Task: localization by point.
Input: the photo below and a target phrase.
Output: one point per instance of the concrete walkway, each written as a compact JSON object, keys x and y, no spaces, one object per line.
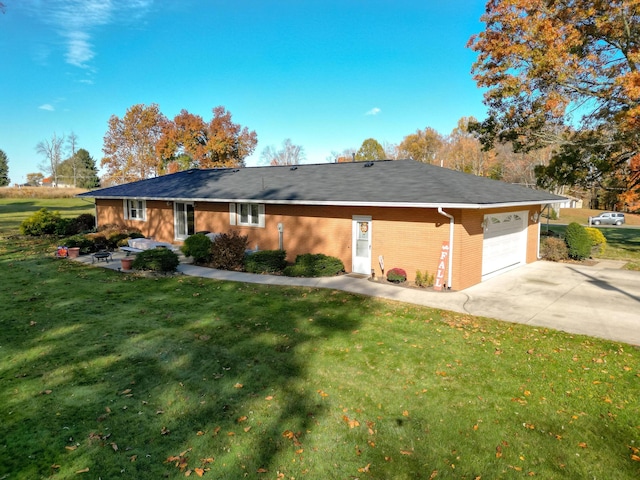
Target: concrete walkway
{"x":600,"y":300}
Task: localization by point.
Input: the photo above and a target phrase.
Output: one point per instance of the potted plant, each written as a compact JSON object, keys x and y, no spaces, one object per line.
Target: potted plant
{"x":126,"y":263}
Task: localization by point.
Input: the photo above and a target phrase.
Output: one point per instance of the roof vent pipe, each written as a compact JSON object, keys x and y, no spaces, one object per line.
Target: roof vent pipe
{"x":451,"y":227}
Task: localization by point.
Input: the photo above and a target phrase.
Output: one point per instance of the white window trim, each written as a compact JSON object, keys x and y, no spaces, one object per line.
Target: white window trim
{"x":127,"y":211}
{"x":235,"y":219}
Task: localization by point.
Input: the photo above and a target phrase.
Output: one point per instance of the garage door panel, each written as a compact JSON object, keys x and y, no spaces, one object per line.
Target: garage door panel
{"x":504,"y":245}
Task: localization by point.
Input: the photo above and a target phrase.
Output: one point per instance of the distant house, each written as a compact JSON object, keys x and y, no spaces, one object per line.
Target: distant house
{"x":49,"y":182}
{"x":371,"y":215}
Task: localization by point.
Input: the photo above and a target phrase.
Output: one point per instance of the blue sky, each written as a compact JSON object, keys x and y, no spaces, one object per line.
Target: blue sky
{"x":326,"y":74}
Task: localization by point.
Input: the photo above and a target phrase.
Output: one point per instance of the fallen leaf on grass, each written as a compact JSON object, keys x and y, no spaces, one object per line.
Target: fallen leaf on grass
{"x":364,"y":469}
{"x":582,"y":445}
{"x":114,"y":446}
{"x":165,"y":431}
{"x":238,"y":385}
{"x":84,"y":470}
{"x":199,"y":471}
{"x":353,"y":423}
{"x":269,"y":398}
{"x":406,"y":452}
{"x":323,"y":394}
{"x":242,"y":419}
{"x":635,"y":457}
{"x":71,"y":447}
{"x":46,"y":392}
{"x":262,"y":470}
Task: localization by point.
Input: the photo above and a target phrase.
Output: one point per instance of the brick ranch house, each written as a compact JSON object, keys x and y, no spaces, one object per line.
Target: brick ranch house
{"x":369,"y":214}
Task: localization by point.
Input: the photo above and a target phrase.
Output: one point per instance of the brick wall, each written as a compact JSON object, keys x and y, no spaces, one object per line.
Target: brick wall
{"x":409,"y":238}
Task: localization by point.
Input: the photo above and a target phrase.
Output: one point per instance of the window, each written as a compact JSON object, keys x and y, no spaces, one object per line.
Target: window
{"x":246,"y":214}
{"x":135,"y":210}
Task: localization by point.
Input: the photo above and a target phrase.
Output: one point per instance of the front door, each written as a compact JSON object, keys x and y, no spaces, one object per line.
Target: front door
{"x":184,"y":220}
{"x":361,"y":245}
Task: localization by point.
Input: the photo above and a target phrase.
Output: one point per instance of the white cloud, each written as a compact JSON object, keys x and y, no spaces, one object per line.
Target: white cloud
{"x":79,"y":51}
{"x":74,"y":20}
{"x":47,"y":106}
{"x":373,"y":111}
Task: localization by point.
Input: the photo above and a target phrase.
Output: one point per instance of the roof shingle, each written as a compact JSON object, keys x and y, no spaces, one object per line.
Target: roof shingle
{"x":386,"y":182}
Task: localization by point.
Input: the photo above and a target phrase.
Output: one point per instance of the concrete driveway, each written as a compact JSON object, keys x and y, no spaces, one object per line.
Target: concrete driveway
{"x":601,"y":300}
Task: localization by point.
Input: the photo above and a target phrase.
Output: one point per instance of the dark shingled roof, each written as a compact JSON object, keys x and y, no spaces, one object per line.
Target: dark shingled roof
{"x":383,"y":183}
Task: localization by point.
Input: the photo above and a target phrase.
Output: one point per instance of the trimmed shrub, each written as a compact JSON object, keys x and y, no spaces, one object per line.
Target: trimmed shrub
{"x":199,"y":247}
{"x":598,"y":240}
{"x":397,"y":275}
{"x":227,"y":251}
{"x":315,"y":265}
{"x":554,"y":249}
{"x":266,"y":261}
{"x":42,"y":222}
{"x":578,"y":241}
{"x":156,"y":260}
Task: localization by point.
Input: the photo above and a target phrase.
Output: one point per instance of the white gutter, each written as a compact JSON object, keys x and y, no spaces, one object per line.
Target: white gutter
{"x":451,"y":227}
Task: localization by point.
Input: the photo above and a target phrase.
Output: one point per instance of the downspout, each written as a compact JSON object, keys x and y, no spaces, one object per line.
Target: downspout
{"x":450,"y":257}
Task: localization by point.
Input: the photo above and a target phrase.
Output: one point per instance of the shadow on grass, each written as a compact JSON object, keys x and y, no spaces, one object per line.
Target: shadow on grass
{"x":118,"y":374}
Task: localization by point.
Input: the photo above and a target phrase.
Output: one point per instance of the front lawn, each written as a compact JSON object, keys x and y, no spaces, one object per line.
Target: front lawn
{"x":110,"y":375}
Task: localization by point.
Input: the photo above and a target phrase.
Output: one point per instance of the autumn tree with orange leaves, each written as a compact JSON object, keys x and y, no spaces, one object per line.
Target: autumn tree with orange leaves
{"x":130,"y":145}
{"x":422,"y":146}
{"x":192,"y":142}
{"x":144,"y":143}
{"x":563,"y":72}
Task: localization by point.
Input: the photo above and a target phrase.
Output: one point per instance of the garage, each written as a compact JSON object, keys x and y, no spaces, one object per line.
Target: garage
{"x":505,"y":242}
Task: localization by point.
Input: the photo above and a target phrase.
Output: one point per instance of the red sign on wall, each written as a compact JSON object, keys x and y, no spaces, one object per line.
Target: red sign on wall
{"x":442,"y":266}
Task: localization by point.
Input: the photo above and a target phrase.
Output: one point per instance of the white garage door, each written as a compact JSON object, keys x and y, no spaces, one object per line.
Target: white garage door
{"x":505,"y":243}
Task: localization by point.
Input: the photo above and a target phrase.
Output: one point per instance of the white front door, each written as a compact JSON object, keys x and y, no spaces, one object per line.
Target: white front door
{"x":361,"y":245}
{"x":184,"y":220}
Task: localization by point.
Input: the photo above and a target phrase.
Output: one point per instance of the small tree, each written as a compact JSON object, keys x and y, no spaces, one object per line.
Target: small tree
{"x":51,"y":150}
{"x":289,"y":154}
{"x":370,"y":150}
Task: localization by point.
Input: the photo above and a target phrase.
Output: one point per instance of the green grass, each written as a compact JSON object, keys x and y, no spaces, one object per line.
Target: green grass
{"x":139,"y":377}
{"x":14,"y":210}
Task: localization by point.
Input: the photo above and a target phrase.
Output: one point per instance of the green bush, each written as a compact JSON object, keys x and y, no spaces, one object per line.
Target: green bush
{"x":266,"y":261}
{"x":82,"y":223}
{"x":43,"y":222}
{"x":314,"y":265}
{"x":84,"y":243}
{"x":554,"y":249}
{"x":199,"y":247}
{"x":397,"y":275}
{"x":228,"y":250}
{"x":578,"y":241}
{"x":598,"y":240}
{"x":156,"y":260}
{"x":424,"y":280}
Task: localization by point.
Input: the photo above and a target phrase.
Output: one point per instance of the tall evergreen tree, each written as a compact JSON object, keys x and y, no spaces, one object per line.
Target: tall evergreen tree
{"x":4,"y":170}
